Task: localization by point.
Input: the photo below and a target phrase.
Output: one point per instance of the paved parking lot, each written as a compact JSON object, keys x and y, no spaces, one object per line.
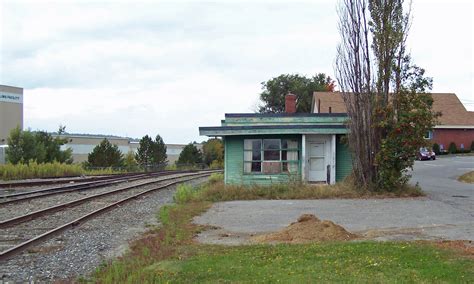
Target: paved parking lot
{"x":446,"y":213}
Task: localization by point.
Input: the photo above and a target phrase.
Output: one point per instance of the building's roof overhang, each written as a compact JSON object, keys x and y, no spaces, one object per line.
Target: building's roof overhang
{"x":272,"y":129}
{"x":442,"y":126}
{"x":278,"y":123}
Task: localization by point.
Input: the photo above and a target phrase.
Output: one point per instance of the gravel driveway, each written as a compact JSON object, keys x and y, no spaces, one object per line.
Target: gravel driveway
{"x":446,"y":213}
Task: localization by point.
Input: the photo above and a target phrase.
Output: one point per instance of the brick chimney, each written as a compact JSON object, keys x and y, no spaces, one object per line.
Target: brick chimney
{"x":290,"y":103}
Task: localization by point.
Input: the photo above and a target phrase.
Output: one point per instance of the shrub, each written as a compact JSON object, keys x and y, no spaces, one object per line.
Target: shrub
{"x":216,"y":165}
{"x":171,"y":167}
{"x":472,"y":146}
{"x":436,"y":148}
{"x":185,"y":193}
{"x":216,"y":177}
{"x":452,"y":148}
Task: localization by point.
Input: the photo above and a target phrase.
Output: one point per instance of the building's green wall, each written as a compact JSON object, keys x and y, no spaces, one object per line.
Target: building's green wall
{"x":234,"y":163}
{"x":343,"y":159}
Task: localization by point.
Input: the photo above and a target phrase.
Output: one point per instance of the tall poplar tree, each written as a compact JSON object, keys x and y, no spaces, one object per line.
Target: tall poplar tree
{"x":386,"y":96}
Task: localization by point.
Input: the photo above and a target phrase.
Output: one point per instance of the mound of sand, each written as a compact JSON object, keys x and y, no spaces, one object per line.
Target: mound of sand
{"x":307,"y":229}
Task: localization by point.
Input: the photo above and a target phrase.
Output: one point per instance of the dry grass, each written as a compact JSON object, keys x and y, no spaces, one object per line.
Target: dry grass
{"x":48,"y":170}
{"x":173,"y":240}
{"x":218,"y":191}
{"x":467,"y":177}
{"x":169,"y":255}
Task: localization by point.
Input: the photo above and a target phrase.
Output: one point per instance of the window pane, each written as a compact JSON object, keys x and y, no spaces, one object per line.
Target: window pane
{"x":271,"y":167}
{"x":292,"y":156}
{"x":247,"y":156}
{"x":290,"y":167}
{"x":271,"y":144}
{"x":256,"y":144}
{"x":247,"y":144}
{"x":250,"y":144}
{"x":256,"y":167}
{"x":289,"y":144}
{"x":289,"y":155}
{"x":247,"y":167}
{"x":271,"y":155}
{"x":256,"y":154}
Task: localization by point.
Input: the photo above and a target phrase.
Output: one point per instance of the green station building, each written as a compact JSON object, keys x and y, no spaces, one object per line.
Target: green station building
{"x":274,"y":148}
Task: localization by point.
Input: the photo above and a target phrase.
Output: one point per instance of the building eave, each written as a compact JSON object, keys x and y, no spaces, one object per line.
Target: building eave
{"x":272,"y":129}
{"x":454,"y":127}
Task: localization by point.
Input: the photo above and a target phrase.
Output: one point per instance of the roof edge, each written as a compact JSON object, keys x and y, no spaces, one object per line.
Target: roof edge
{"x":299,"y":114}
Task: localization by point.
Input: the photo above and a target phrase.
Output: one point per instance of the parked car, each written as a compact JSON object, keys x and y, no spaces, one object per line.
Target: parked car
{"x":425,"y":154}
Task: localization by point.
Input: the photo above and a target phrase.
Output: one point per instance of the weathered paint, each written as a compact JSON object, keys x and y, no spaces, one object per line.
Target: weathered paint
{"x":343,"y":159}
{"x":283,"y":120}
{"x":237,"y":127}
{"x":226,"y":132}
{"x":234,"y":163}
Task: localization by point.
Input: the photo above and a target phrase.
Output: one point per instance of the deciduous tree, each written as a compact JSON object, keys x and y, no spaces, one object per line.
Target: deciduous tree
{"x":275,"y":90}
{"x":213,"y":152}
{"x":385,"y":95}
{"x":39,"y":146}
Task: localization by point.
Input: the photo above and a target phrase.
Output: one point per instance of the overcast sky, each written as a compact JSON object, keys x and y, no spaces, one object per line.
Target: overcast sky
{"x":132,"y":68}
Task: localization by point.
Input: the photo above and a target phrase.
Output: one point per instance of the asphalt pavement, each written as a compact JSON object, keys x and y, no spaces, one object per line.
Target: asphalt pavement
{"x":447,"y":212}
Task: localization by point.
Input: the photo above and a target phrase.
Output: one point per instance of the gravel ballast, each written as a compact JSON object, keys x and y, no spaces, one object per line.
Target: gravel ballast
{"x":11,"y":210}
{"x":81,"y":250}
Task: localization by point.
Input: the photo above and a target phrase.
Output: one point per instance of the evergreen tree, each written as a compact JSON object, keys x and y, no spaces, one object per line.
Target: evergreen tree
{"x":159,"y":157}
{"x":190,"y":155}
{"x":105,"y":155}
{"x":145,"y":151}
{"x":151,"y":153}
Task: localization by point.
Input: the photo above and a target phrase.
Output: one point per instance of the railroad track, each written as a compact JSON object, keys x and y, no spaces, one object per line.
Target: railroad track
{"x":33,"y":194}
{"x":13,"y":184}
{"x":23,"y":231}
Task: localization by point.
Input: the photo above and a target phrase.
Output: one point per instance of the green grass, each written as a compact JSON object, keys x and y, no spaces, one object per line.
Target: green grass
{"x":169,"y":254}
{"x":467,"y":177}
{"x":334,"y":262}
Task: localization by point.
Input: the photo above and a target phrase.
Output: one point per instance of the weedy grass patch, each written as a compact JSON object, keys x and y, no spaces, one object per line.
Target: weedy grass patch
{"x":48,"y":170}
{"x":467,"y":177}
{"x":215,"y":190}
{"x":169,"y":254}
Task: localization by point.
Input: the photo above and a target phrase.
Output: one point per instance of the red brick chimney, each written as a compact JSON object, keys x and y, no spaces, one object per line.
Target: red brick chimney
{"x":290,"y":103}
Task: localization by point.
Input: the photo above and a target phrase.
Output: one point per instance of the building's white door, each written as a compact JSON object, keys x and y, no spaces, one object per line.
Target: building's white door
{"x":316,"y":161}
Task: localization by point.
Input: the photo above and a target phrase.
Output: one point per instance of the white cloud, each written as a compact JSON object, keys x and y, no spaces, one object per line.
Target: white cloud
{"x":147,"y":67}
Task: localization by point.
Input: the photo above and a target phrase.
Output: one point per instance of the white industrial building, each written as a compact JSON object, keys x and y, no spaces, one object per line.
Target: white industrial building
{"x":11,"y":116}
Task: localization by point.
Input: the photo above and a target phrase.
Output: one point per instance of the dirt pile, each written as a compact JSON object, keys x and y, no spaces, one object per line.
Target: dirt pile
{"x":307,"y":229}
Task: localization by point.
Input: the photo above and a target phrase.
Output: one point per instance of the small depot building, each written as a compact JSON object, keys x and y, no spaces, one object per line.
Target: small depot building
{"x":265,"y":149}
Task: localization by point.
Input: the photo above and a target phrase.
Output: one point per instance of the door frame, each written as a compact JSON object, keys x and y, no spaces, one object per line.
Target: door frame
{"x":330,"y":154}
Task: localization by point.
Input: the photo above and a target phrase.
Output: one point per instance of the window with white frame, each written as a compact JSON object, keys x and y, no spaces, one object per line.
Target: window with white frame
{"x":429,"y":135}
{"x":271,"y":156}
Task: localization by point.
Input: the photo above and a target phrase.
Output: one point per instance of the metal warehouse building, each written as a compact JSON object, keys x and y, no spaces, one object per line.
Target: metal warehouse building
{"x":11,"y":110}
{"x":11,"y":116}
